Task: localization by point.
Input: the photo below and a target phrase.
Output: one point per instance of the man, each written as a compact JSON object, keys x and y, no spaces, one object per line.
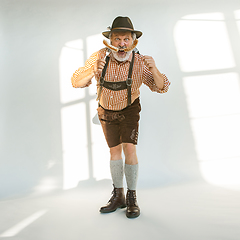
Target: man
{"x":119,"y":77}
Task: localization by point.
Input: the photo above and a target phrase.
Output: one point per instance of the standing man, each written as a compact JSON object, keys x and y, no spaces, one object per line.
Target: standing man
{"x":120,"y":71}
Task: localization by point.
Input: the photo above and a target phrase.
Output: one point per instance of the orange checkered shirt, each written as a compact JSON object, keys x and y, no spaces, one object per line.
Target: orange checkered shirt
{"x":116,"y":72}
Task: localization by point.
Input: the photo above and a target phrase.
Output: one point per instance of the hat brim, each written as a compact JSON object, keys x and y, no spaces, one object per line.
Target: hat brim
{"x":107,"y":33}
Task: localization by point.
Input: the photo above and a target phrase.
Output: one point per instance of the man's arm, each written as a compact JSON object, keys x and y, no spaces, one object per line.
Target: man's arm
{"x":82,"y":79}
{"x":83,"y":76}
{"x":157,"y":76}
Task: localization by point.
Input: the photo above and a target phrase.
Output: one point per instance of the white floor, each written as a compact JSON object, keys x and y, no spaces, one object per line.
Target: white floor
{"x":193,"y":211}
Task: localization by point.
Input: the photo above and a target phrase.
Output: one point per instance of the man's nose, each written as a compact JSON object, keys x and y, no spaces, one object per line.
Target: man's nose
{"x":121,"y":44}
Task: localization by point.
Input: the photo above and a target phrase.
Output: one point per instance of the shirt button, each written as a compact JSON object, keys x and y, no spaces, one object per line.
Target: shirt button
{"x":111,"y":97}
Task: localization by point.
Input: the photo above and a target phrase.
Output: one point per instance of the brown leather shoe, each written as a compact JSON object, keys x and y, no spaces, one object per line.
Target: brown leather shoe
{"x":133,"y":209}
{"x":116,"y":201}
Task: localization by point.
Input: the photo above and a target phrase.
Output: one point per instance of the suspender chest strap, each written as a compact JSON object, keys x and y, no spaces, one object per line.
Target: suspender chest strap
{"x":102,"y":79}
{"x":117,"y":86}
{"x":129,"y":79}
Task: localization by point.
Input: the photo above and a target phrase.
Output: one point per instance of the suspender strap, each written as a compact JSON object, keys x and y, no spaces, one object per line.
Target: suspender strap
{"x":129,"y":80}
{"x":102,"y":78}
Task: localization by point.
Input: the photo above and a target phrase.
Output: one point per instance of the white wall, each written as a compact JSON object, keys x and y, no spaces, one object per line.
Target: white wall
{"x":34,"y":152}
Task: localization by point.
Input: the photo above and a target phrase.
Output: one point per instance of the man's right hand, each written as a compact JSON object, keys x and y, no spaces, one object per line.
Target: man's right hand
{"x":98,"y":66}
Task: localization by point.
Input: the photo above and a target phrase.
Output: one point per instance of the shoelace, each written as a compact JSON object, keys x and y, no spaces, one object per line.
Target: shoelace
{"x":113,"y":195}
{"x":131,"y":198}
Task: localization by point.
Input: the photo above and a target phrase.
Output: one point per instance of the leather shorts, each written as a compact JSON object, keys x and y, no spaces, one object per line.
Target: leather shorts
{"x":121,"y":126}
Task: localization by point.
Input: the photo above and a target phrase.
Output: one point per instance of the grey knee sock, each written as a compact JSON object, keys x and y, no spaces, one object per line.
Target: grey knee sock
{"x":116,"y":168}
{"x":131,"y":174}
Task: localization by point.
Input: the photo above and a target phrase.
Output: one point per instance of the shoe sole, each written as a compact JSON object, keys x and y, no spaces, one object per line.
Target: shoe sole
{"x":133,"y":216}
{"x":102,"y":211}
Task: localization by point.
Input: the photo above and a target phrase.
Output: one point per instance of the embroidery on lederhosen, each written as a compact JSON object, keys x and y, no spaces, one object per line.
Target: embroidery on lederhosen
{"x":134,"y":135}
{"x":108,"y":117}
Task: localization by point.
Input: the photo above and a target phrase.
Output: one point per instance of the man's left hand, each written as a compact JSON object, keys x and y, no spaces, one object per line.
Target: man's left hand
{"x":157,"y":76}
{"x":149,"y":62}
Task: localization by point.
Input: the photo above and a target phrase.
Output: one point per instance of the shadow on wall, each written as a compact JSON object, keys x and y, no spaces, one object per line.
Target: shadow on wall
{"x":207,"y":46}
{"x":49,"y":140}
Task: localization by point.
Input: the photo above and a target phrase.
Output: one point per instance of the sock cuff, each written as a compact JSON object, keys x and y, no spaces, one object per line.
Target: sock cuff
{"x":116,"y":162}
{"x":135,"y":166}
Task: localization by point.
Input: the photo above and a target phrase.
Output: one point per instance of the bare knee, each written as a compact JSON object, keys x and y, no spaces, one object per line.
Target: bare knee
{"x":129,"y":150}
{"x":116,"y":152}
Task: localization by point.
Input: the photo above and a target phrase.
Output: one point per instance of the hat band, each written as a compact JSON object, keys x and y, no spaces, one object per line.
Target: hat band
{"x":122,"y":28}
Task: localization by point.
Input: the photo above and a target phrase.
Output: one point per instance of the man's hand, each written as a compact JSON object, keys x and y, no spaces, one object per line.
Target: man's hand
{"x":149,"y":62}
{"x":98,"y":66}
{"x":157,"y":76}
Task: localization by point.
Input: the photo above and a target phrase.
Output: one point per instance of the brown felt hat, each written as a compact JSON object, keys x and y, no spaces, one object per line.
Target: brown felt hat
{"x":122,"y":24}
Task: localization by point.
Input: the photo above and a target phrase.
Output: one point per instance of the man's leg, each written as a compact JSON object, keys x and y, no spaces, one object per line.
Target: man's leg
{"x":131,"y":174}
{"x":116,"y":168}
{"x":131,"y":165}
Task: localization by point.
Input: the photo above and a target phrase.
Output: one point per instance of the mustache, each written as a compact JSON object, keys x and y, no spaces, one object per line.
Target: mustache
{"x":122,"y":48}
{"x":116,"y":49}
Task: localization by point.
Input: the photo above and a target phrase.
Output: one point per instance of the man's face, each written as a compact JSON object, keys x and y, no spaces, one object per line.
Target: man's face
{"x":121,"y":40}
